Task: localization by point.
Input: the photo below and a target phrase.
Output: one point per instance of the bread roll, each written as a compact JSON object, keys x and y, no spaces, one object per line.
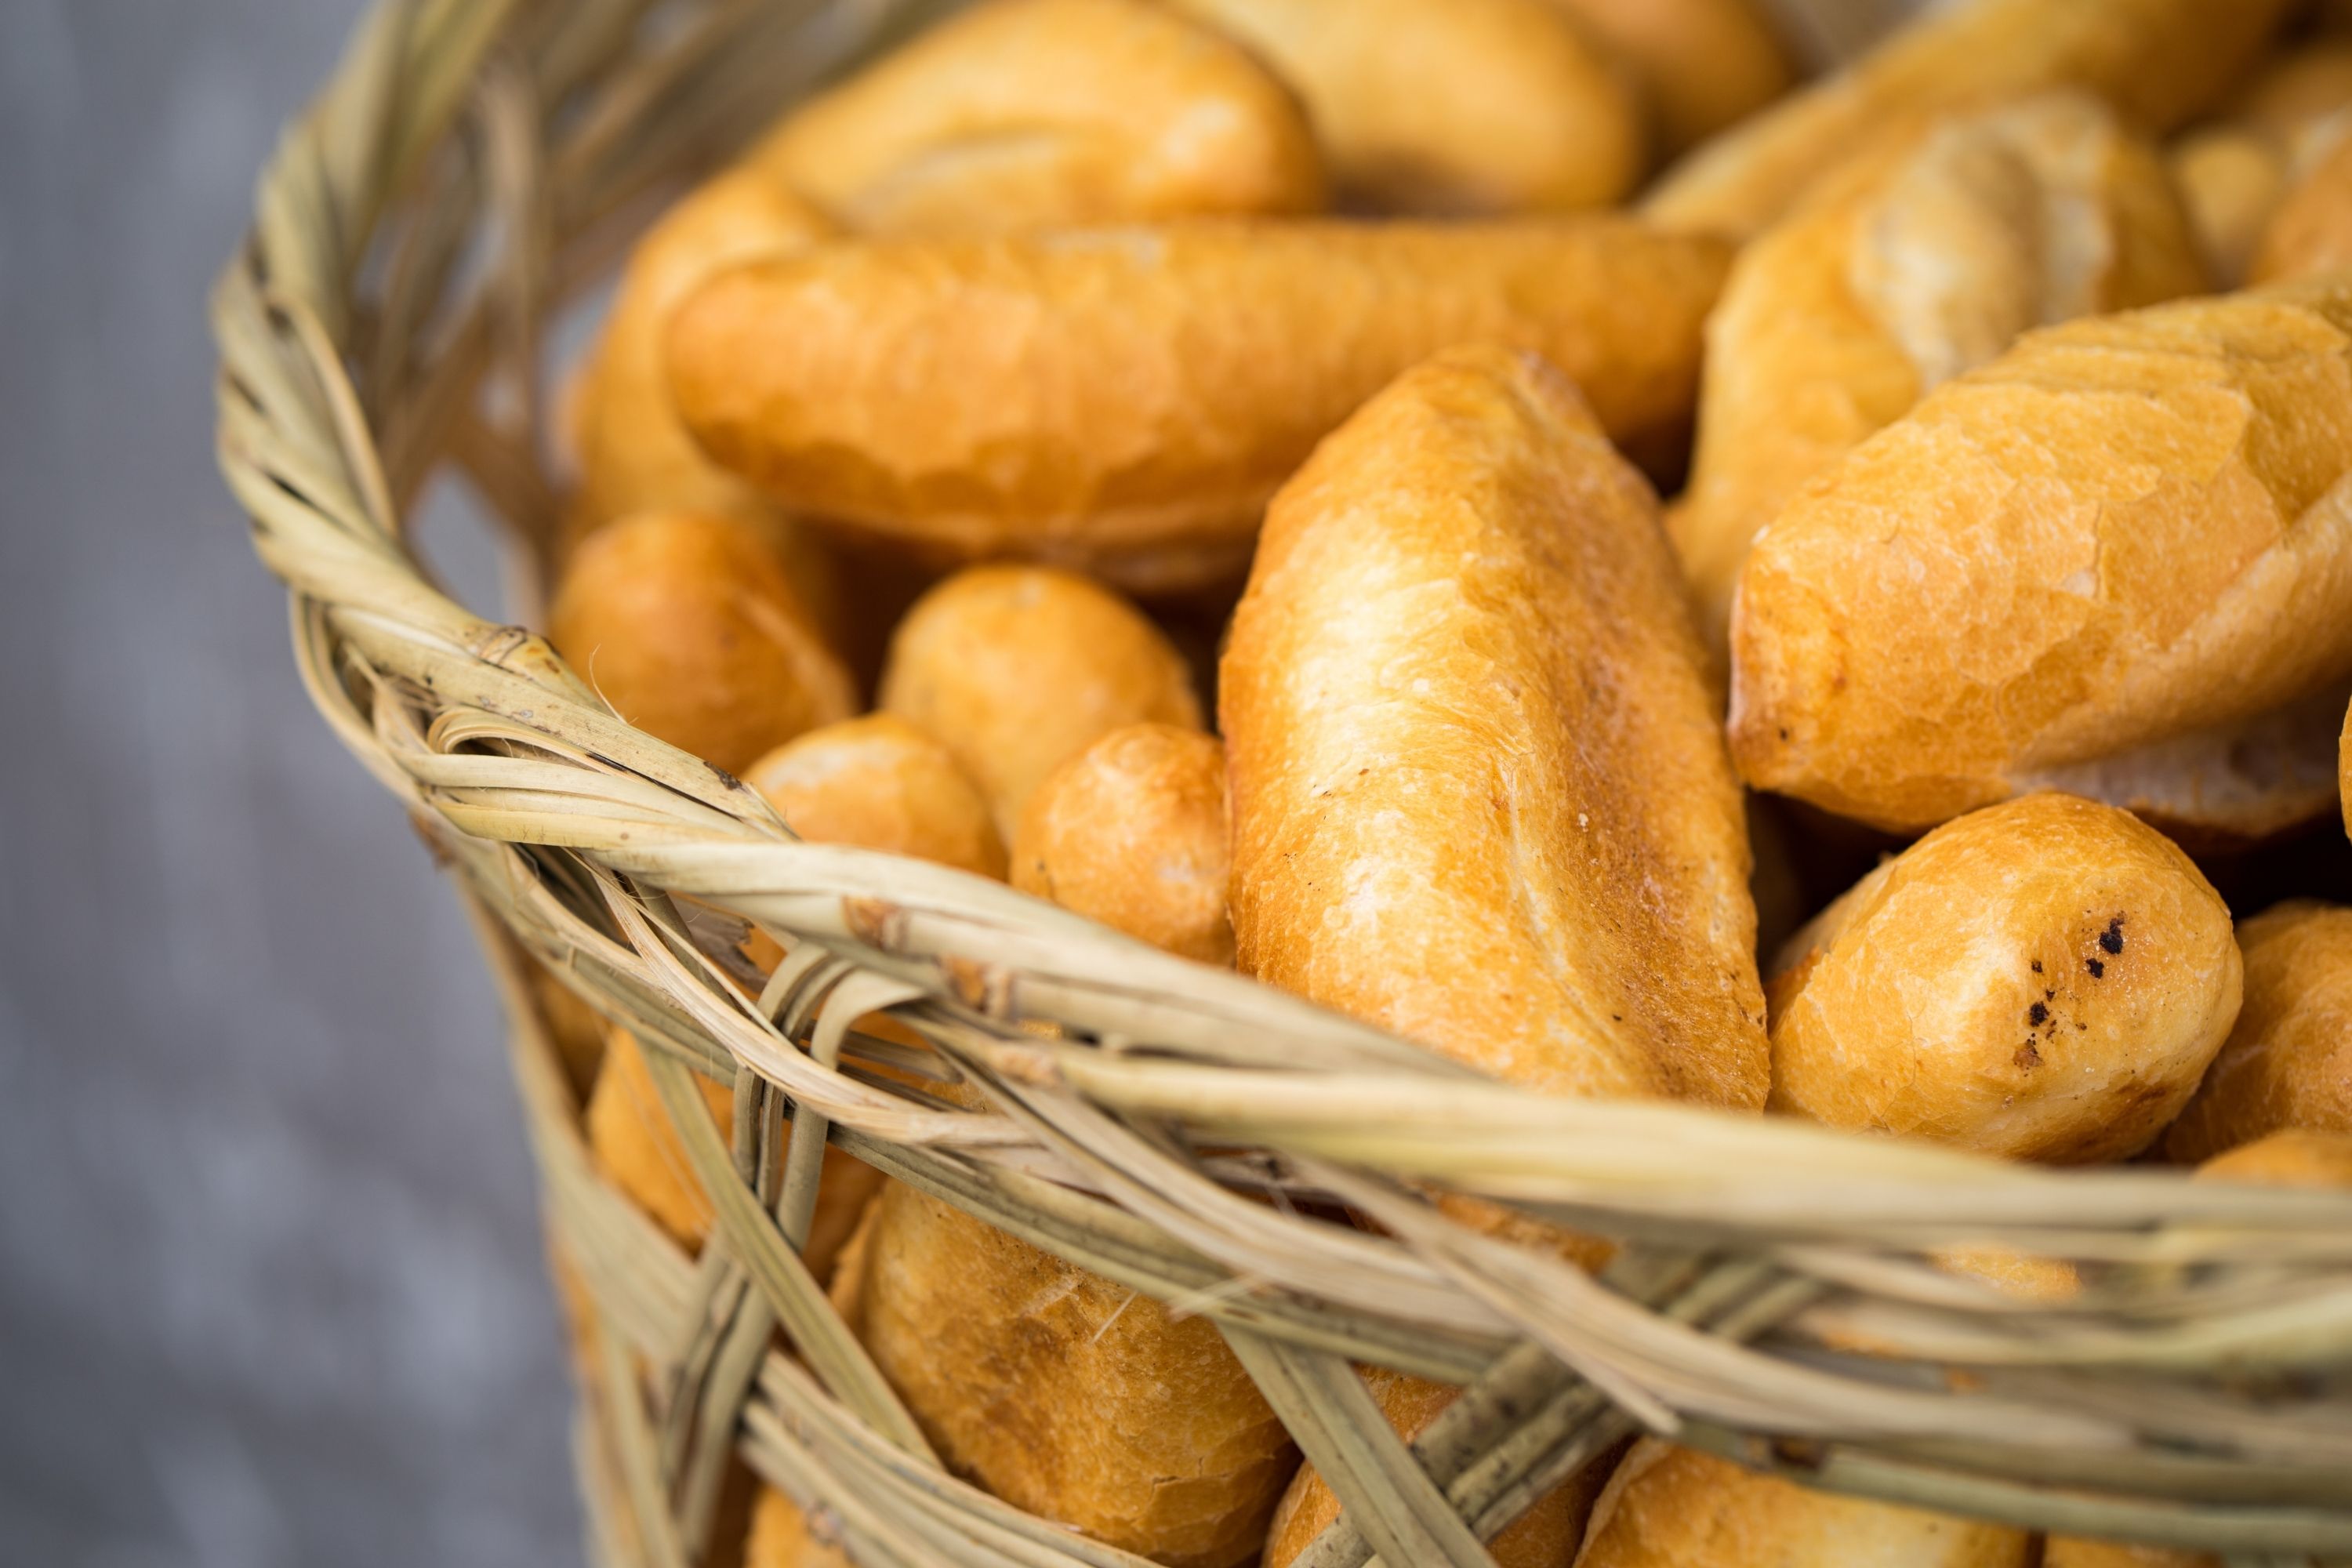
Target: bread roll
{"x":1703,"y":63}
{"x":1016,"y":670}
{"x":2288,"y":1062}
{"x":1479,"y":797}
{"x":1126,"y":401}
{"x":1450,"y":106}
{"x":689,"y":625}
{"x":1065,"y":1394}
{"x":2231,"y":180}
{"x":1131,"y":832}
{"x":2045,"y":979}
{"x":2297,"y":1157}
{"x":2115,"y":561}
{"x":634,"y":454}
{"x":1546,"y":1536}
{"x":879,"y":783}
{"x":1676,"y":1508}
{"x":1907,"y":270}
{"x":2343,"y":769}
{"x":781,"y":1537}
{"x":2310,"y":230}
{"x":2159,"y":61}
{"x":1030,"y":113}
{"x":2071,"y":1551}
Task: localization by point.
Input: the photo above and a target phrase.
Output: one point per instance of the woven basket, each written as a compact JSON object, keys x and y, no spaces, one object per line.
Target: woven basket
{"x":471,"y":166}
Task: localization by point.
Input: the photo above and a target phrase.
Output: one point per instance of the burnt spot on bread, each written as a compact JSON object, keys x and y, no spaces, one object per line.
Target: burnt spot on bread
{"x":2037,"y":966}
{"x":2111,"y":941}
{"x":2027,"y":1059}
{"x":2038,"y":1015}
{"x":2098,"y":970}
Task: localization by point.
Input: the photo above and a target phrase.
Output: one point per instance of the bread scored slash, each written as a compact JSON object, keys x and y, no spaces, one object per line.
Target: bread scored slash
{"x":2117,"y":561}
{"x":1479,"y":795}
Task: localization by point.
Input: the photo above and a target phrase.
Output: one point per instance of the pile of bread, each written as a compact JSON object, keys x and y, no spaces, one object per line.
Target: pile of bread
{"x":1084,"y":370}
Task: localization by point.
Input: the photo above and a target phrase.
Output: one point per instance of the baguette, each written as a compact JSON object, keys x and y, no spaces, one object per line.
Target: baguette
{"x":1676,"y":1508}
{"x":2288,"y":1062}
{"x":1016,"y":670}
{"x":1463,"y":106}
{"x":1034,"y":113}
{"x":1901,"y":272}
{"x":2046,"y":979}
{"x":1703,"y":63}
{"x":2158,"y":61}
{"x":1479,"y":797}
{"x":1127,"y":401}
{"x":2117,"y":561}
{"x":1131,"y":832}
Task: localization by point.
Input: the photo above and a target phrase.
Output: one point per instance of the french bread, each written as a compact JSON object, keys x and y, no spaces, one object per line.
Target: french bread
{"x":2117,"y":561}
{"x":2158,"y":61}
{"x":1126,"y":401}
{"x":1902,"y":271}
{"x":2045,"y":979}
{"x":1702,"y":64}
{"x":2288,"y":1062}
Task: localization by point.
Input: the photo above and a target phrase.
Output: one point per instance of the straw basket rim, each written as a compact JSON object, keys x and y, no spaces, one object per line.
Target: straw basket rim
{"x":469,"y":166}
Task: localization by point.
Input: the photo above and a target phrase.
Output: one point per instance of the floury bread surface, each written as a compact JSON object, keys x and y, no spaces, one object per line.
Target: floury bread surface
{"x":2115,"y":561}
{"x":2159,"y":61}
{"x":1127,"y":400}
{"x":1479,"y":795}
{"x":1905,"y":268}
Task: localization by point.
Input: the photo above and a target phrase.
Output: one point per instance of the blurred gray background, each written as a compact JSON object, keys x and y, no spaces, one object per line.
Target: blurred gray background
{"x":270,"y":1286}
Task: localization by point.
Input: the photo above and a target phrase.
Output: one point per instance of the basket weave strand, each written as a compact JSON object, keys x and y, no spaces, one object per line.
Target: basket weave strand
{"x":470,"y":167}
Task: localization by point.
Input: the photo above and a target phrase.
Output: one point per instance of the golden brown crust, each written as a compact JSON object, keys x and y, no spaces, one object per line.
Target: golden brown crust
{"x":1675,"y":1508}
{"x":1546,"y":1536}
{"x":1068,"y":1395}
{"x":781,"y":1537}
{"x":2343,"y":769}
{"x":2159,"y":61}
{"x":2297,"y":1157}
{"x":2288,"y":1062}
{"x":1906,"y":268}
{"x":2115,"y":545}
{"x":1463,"y":107}
{"x":2230,"y":180}
{"x":1704,"y":63}
{"x":2045,"y":979}
{"x":1016,"y":670}
{"x":1031,"y":114}
{"x":1464,"y":715}
{"x":879,"y":783}
{"x":1131,"y":832}
{"x":1127,"y":400}
{"x":690,"y":625}
{"x":2311,"y":231}
{"x":2071,"y":1551}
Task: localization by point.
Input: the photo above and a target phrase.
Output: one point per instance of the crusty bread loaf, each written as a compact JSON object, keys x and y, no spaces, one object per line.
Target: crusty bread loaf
{"x":1546,"y":1536}
{"x":1676,"y":1508}
{"x":1918,"y":263}
{"x":2310,"y":232}
{"x":1127,"y":400}
{"x":2288,"y":1063}
{"x":1702,"y":64}
{"x":2160,"y":62}
{"x":2297,"y":1157}
{"x":2117,"y":561}
{"x":2045,"y":979}
{"x":1065,"y":1394}
{"x":781,"y":1537}
{"x":1016,"y":670}
{"x":1028,"y":113}
{"x":1479,"y":797}
{"x":1450,"y":106}
{"x":691,"y":627}
{"x":879,"y":783}
{"x":1131,"y":832}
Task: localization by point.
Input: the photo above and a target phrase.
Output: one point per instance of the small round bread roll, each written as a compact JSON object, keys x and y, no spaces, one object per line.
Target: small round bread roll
{"x":1067,"y":1395}
{"x":691,"y":627}
{"x":2297,"y":1157}
{"x":2288,"y":1063}
{"x":1676,"y":1508}
{"x":1030,"y":113}
{"x":2045,"y":979}
{"x":879,"y":783}
{"x":1131,"y":832}
{"x":2071,"y":1552}
{"x":1546,"y":1536}
{"x":1016,"y":670}
{"x":781,"y":1537}
{"x":1452,"y":106}
{"x":1706,"y":63}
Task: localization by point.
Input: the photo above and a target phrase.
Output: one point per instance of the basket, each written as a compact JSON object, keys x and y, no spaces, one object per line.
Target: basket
{"x":472,"y":167}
